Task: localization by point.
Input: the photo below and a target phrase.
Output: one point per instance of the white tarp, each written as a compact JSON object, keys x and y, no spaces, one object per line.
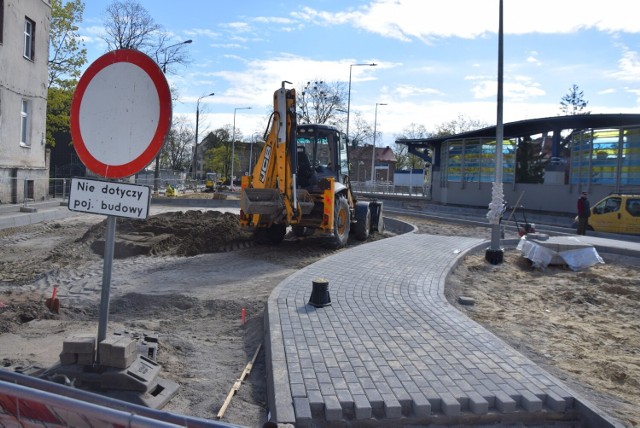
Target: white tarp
{"x":576,"y":254}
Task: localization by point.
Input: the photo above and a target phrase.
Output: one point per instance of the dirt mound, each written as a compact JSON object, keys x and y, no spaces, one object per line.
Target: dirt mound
{"x":176,"y":233}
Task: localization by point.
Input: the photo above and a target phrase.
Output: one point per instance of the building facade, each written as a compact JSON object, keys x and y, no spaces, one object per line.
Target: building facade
{"x":565,"y":155}
{"x":24,"y":54}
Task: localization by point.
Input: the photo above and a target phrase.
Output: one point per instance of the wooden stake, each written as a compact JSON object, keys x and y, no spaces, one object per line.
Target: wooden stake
{"x":236,"y":385}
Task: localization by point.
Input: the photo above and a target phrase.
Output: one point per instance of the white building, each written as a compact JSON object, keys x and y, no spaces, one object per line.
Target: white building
{"x":24,"y":53}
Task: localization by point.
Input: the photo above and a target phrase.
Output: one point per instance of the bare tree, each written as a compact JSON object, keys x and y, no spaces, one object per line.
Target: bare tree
{"x":130,"y":26}
{"x":458,"y":125}
{"x":403,"y":157}
{"x":176,"y":152}
{"x":361,"y":131}
{"x":322,"y":102}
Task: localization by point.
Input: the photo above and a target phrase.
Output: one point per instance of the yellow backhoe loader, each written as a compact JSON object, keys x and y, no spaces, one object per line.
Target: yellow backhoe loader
{"x":301,"y":180}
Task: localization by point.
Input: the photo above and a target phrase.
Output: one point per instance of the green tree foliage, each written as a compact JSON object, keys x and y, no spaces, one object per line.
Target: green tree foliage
{"x":216,"y":149}
{"x":67,"y":56}
{"x":529,"y":162}
{"x":573,"y":102}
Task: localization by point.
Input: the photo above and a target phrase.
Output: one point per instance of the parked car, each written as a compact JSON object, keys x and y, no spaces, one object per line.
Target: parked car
{"x":616,"y":213}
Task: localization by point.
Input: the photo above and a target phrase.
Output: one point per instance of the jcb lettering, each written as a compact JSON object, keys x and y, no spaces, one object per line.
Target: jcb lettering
{"x":265,"y":164}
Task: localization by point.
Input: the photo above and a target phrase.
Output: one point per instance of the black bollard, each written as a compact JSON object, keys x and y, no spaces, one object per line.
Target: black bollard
{"x":320,"y":293}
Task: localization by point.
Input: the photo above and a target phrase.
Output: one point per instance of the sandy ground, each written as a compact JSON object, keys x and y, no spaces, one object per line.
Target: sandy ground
{"x":187,"y":277}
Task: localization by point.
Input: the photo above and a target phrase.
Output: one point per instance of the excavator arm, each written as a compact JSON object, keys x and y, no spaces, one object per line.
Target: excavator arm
{"x":269,"y":195}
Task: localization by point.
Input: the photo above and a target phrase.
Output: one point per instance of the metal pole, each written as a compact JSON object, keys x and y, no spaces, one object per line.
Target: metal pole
{"x":195,"y":150}
{"x":373,"y":64}
{"x":106,"y":277}
{"x":233,"y":142}
{"x":494,"y":253}
{"x":373,"y":151}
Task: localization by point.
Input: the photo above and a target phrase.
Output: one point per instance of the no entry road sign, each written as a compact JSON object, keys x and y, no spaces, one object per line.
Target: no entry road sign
{"x":120,"y":114}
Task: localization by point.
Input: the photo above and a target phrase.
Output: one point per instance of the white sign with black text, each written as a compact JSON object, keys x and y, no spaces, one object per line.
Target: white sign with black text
{"x":109,"y":198}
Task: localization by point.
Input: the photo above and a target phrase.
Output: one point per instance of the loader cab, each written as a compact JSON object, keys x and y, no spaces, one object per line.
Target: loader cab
{"x":322,"y":152}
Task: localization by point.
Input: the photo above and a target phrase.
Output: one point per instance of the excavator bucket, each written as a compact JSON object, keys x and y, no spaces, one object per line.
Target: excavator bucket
{"x":265,"y":202}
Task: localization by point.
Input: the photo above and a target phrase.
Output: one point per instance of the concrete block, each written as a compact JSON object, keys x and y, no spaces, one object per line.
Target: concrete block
{"x":449,"y":405}
{"x":504,"y":403}
{"x":555,"y":402}
{"x":303,"y":411}
{"x":362,"y":407}
{"x":530,"y":402}
{"x":79,"y":345}
{"x":421,"y":406}
{"x":392,"y":407}
{"x":86,"y":359}
{"x":332,"y":409}
{"x":477,"y":404}
{"x":117,"y":351}
{"x":68,"y":358}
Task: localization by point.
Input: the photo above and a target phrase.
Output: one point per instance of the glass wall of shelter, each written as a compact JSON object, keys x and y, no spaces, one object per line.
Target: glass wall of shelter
{"x":606,"y":157}
{"x":472,"y":160}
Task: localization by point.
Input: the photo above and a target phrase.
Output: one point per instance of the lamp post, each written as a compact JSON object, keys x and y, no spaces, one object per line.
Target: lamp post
{"x":494,"y":254}
{"x":373,"y":149}
{"x":373,"y":64}
{"x":156,"y":173}
{"x":195,"y":149}
{"x":233,"y":141}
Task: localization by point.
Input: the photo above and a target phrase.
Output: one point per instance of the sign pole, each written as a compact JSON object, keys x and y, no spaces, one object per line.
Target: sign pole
{"x":106,"y":278}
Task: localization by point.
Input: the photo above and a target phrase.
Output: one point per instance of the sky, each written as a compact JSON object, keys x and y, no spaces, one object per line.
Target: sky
{"x":436,"y":60}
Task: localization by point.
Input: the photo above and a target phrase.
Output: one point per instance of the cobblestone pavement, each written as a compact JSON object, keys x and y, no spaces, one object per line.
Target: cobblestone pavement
{"x":389,"y":350}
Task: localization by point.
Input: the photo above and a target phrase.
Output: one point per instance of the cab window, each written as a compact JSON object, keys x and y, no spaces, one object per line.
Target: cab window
{"x":609,"y":205}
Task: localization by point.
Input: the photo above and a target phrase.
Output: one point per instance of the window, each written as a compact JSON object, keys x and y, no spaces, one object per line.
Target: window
{"x":24,"y":124}
{"x":29,"y":38}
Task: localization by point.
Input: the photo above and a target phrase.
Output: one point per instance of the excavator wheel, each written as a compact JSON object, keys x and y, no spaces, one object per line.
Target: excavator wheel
{"x":362,"y":227}
{"x":341,"y":223}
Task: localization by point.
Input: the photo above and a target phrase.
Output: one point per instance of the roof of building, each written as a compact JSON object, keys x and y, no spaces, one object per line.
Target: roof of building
{"x":534,"y":126}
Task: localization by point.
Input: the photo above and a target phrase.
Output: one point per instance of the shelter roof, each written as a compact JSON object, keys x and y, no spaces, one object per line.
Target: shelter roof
{"x":534,"y":126}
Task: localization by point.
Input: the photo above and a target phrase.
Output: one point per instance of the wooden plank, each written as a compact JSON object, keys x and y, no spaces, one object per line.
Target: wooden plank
{"x":237,"y":383}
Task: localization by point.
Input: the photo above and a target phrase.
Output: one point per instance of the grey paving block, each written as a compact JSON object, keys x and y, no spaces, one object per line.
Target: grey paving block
{"x":530,"y":402}
{"x":332,"y":409}
{"x":555,"y":402}
{"x":392,"y":407}
{"x":477,"y":404}
{"x":362,"y":407}
{"x":420,"y":405}
{"x":449,"y":405}
{"x":504,"y":403}
{"x":316,"y":401}
{"x":303,"y":411}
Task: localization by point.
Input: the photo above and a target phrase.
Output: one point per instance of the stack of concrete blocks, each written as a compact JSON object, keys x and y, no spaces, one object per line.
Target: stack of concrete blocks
{"x":119,"y":352}
{"x":78,"y":350}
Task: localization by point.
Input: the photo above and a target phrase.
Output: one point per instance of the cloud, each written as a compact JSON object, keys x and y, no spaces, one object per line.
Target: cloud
{"x":628,"y":66}
{"x":406,"y":91}
{"x":426,"y":21}
{"x":516,"y":89}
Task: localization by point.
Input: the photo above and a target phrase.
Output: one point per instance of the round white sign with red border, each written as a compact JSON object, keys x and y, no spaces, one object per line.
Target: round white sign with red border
{"x":120,"y":114}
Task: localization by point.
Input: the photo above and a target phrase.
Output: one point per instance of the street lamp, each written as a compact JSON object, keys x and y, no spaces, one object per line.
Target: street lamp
{"x":195,"y":149}
{"x":156,"y":173}
{"x":373,"y":64}
{"x":373,"y":149}
{"x":233,"y":141}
